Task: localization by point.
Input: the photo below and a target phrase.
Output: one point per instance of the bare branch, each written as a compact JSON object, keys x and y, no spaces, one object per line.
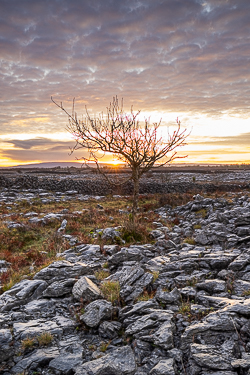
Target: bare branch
{"x":122,"y":135}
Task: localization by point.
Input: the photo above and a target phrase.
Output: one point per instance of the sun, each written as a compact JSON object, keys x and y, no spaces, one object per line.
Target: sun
{"x":115,"y":162}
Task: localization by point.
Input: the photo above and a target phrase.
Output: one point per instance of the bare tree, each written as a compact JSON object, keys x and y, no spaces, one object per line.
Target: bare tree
{"x":121,"y":134}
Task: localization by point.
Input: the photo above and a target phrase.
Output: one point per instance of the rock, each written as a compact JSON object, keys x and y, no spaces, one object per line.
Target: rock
{"x":197,"y":311}
{"x":242,"y":220}
{"x":139,"y":308}
{"x":212,"y":286}
{"x":85,"y":290}
{"x":241,"y":286}
{"x":40,"y":357}
{"x":63,"y":226}
{"x":59,"y":288}
{"x":66,"y":363}
{"x":125,"y":255}
{"x":63,"y":270}
{"x":109,"y":330}
{"x":173,"y":297}
{"x":163,"y":367}
{"x":39,"y":306}
{"x":213,"y":357}
{"x":157,"y":234}
{"x":133,"y":281}
{"x":164,"y":336}
{"x":155,"y":327}
{"x":120,"y":362}
{"x":157,"y":264}
{"x":6,"y":348}
{"x":21,"y":293}
{"x":239,"y":263}
{"x":34,"y":328}
{"x":209,"y":330}
{"x":111,"y":234}
{"x":97,"y":311}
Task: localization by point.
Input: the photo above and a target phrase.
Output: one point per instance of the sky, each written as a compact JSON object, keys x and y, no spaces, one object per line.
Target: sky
{"x":168,"y":58}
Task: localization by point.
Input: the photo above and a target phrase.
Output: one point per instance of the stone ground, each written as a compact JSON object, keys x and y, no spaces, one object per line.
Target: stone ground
{"x":183,"y":306}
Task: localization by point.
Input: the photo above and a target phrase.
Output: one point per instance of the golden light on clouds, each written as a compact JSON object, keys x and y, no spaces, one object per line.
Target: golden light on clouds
{"x":169,"y":59}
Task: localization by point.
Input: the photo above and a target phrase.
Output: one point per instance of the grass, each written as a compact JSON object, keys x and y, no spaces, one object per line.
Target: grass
{"x":185,"y":310}
{"x":36,"y":245}
{"x":28,"y":343}
{"x":202,"y":213}
{"x":246,"y":293}
{"x":145,"y":296}
{"x":104,"y":346}
{"x":44,"y":339}
{"x":190,"y":241}
{"x":155,"y":275}
{"x":102,"y":274}
{"x":197,"y":226}
{"x":175,"y":199}
{"x":111,"y":290}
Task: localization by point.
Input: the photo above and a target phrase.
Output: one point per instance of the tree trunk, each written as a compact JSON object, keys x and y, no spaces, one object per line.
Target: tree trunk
{"x":135,"y":195}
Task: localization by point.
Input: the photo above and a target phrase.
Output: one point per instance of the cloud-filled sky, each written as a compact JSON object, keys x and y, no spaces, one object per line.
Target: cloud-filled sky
{"x":168,"y":58}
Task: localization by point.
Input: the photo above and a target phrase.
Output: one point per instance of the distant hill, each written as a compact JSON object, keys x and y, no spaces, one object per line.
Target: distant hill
{"x":49,"y":165}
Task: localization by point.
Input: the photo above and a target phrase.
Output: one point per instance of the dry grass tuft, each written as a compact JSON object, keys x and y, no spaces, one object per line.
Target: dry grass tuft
{"x":111,"y":290}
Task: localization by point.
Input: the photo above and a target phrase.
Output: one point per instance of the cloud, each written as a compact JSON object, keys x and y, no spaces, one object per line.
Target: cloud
{"x":174,"y":55}
{"x":40,"y":149}
{"x":41,"y":143}
{"x":241,"y":140}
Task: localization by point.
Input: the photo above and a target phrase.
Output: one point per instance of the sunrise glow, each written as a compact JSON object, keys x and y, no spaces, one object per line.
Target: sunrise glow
{"x":185,"y":59}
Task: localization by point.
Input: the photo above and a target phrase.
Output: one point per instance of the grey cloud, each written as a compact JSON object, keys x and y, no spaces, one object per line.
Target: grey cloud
{"x":238,"y":140}
{"x":179,"y":55}
{"x":37,"y":155}
{"x":42,"y":143}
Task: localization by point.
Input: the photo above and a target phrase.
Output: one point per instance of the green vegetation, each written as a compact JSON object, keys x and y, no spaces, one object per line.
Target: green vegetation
{"x":111,"y":290}
{"x":28,"y":343}
{"x":145,"y":296}
{"x":190,"y":241}
{"x":246,"y":293}
{"x":34,"y":246}
{"x":155,"y":275}
{"x":104,"y":346}
{"x":185,"y":310}
{"x":202,"y":213}
{"x":102,"y":274}
{"x":44,"y":339}
{"x":197,"y":226}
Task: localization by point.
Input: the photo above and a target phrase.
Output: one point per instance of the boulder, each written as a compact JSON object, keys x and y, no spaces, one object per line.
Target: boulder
{"x":6,"y":348}
{"x":163,"y":367}
{"x":97,"y":311}
{"x":85,"y":290}
{"x":120,"y":362}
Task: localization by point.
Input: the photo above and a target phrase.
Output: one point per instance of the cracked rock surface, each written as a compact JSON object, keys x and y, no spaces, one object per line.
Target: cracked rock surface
{"x":193,"y":319}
